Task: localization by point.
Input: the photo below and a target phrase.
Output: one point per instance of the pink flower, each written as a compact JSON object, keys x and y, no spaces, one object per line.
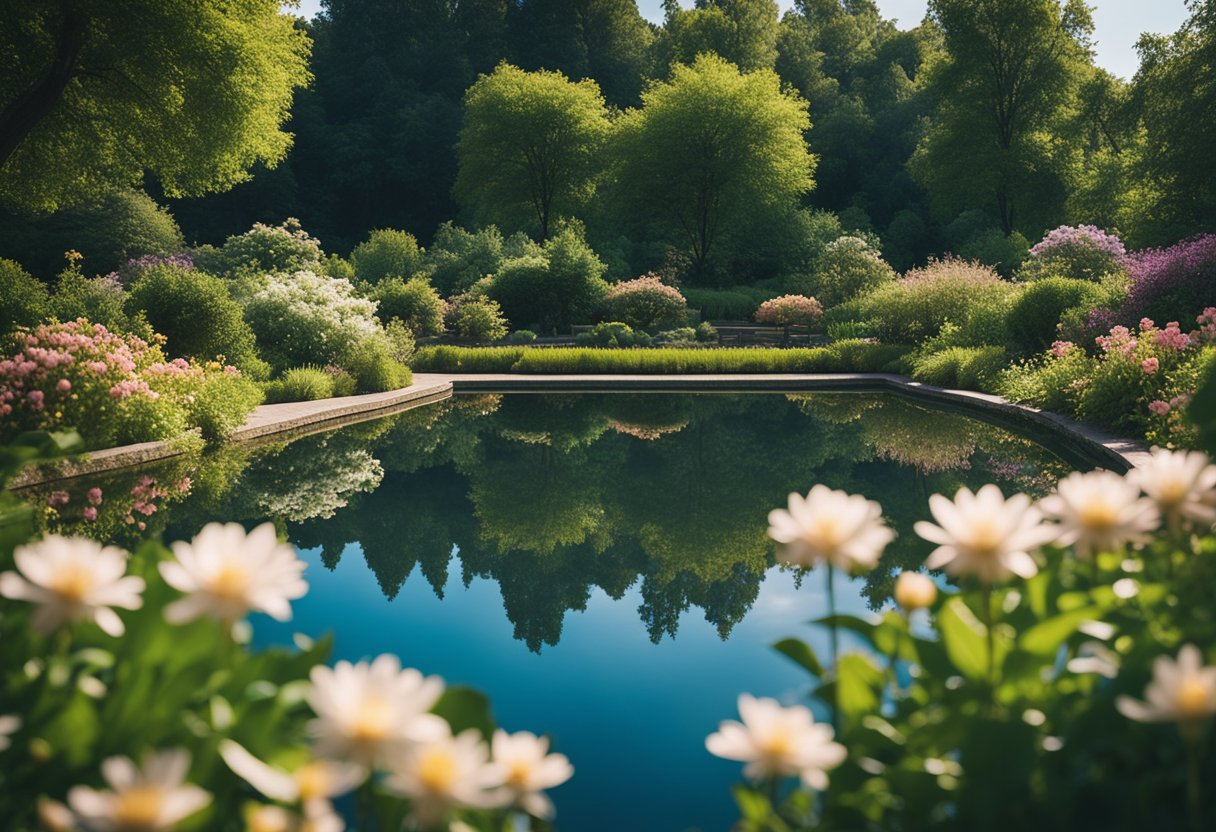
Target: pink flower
{"x":1146,"y":324}
{"x":64,"y":385}
{"x":1061,"y":348}
{"x":1150,"y":365}
{"x":58,"y":498}
{"x":94,"y":496}
{"x":1172,"y":337}
{"x":1159,"y":407}
{"x":90,"y":513}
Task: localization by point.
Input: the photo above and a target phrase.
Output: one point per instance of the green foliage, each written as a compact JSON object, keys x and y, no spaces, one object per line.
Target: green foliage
{"x":101,"y":300}
{"x":221,"y":403}
{"x":301,"y":384}
{"x":710,"y":149}
{"x":24,"y":301}
{"x":967,"y":368}
{"x":475,"y":318}
{"x":558,"y":286}
{"x":458,"y":258}
{"x":993,"y":248}
{"x":848,"y":268}
{"x":387,"y":253}
{"x":613,"y":335}
{"x":1034,"y":318}
{"x":705,"y":332}
{"x":736,"y":304}
{"x":266,"y":248}
{"x":530,"y":147}
{"x":1046,"y":382}
{"x":414,"y":302}
{"x":521,"y":336}
{"x":743,"y":32}
{"x":197,"y":315}
{"x":159,"y":97}
{"x":378,"y":363}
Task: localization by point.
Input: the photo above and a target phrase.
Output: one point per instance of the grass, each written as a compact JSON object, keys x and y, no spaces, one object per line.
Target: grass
{"x":841,"y":357}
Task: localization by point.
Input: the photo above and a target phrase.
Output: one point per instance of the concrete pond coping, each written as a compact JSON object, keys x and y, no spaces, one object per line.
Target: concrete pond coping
{"x":277,"y":422}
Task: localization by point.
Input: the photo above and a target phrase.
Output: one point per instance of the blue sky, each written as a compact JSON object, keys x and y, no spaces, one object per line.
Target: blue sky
{"x":1118,"y":22}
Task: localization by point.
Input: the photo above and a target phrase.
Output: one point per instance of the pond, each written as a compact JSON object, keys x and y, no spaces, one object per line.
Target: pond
{"x":597,"y":563}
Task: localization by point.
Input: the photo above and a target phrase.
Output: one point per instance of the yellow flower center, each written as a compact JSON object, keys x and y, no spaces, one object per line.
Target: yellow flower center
{"x":230,"y":582}
{"x":1172,"y":493}
{"x":1192,"y":699}
{"x":313,"y":781}
{"x":827,"y":533}
{"x":138,"y":809}
{"x":73,"y":584}
{"x":986,"y":536}
{"x":775,"y":746}
{"x":373,"y":719}
{"x":518,"y":774}
{"x":437,"y":771}
{"x":267,"y":819}
{"x":1098,"y":514}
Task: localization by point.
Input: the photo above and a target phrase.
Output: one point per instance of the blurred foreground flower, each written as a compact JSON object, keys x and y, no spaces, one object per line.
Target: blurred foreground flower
{"x":227,"y":573}
{"x":446,"y":773}
{"x":914,"y":591}
{"x":1182,"y":691}
{"x":778,"y":742}
{"x":312,"y":784}
{"x":261,"y":818}
{"x":153,"y":798}
{"x":1182,"y":484}
{"x":1100,"y":511}
{"x":9,"y":725}
{"x":73,"y":579}
{"x":527,"y":769}
{"x":985,"y":535}
{"x":372,"y":712}
{"x":841,"y":529}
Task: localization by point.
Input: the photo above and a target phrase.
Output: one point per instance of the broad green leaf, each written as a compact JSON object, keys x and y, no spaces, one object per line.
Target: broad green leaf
{"x":465,"y":708}
{"x":964,"y":637}
{"x":1045,"y":638}
{"x":859,"y":685}
{"x":801,"y":654}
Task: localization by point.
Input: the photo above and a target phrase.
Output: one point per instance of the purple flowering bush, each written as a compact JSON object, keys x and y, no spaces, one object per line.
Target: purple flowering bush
{"x":1085,"y":252}
{"x":1171,"y":283}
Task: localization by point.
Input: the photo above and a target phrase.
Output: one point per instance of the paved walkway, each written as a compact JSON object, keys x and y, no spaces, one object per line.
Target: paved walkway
{"x":271,"y":420}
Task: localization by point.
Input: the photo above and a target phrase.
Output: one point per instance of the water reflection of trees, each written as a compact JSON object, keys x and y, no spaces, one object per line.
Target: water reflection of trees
{"x":553,"y":497}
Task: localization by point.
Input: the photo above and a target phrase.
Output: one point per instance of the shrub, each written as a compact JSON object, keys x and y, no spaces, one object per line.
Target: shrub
{"x":101,"y":300}
{"x":992,"y":248}
{"x":1170,"y":284}
{"x":457,"y":258}
{"x":847,"y":330}
{"x":554,"y":288}
{"x":1034,"y":318}
{"x":612,"y":335}
{"x":131,"y":271}
{"x":413,"y":302}
{"x":387,"y":253}
{"x":790,"y":310}
{"x":301,"y":384}
{"x":706,"y":332}
{"x":305,"y":318}
{"x":847,"y":268}
{"x":916,"y":306}
{"x":646,"y":303}
{"x":197,"y":315}
{"x":476,"y":318}
{"x":521,"y":336}
{"x":684,"y":336}
{"x":969,"y":368}
{"x":24,"y":301}
{"x":220,"y":402}
{"x":1084,"y":252}
{"x":444,"y":359}
{"x":377,"y":364}
{"x":736,"y":304}
{"x":270,"y":248}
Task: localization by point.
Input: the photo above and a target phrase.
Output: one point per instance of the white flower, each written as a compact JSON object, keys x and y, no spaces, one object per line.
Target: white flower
{"x":227,"y":573}
{"x":73,"y":579}
{"x":528,"y":769}
{"x":278,"y":819}
{"x":9,"y":725}
{"x":372,"y":712}
{"x":1100,"y":511}
{"x":447,"y":772}
{"x":152,"y":798}
{"x":1181,"y":483}
{"x":1182,"y":691}
{"x":914,"y":591}
{"x":845,"y":530}
{"x":312,"y":784}
{"x":985,"y":535}
{"x":53,"y":816}
{"x":778,"y":742}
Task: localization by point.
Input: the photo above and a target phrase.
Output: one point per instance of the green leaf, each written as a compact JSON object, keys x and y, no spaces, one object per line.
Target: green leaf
{"x":859,"y":685}
{"x":1045,"y":638}
{"x":964,"y":637}
{"x":801,"y":654}
{"x":465,"y":708}
{"x":753,"y":806}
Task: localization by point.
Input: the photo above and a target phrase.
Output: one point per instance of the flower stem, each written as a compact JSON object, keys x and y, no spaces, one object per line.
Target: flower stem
{"x":835,"y":641}
{"x":989,"y":634}
{"x":1194,"y":805}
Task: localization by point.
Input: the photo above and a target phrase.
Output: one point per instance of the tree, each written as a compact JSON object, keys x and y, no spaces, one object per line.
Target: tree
{"x":1007,"y":82}
{"x":530,"y":147}
{"x":743,"y":32}
{"x":709,"y":148}
{"x":94,"y":94}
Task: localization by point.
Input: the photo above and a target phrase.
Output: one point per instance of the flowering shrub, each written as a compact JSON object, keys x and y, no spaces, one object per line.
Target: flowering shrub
{"x":790,"y":310}
{"x":1084,"y":252}
{"x":268,"y":248}
{"x":1034,"y":317}
{"x":847,"y":268}
{"x":134,"y":268}
{"x":115,"y":388}
{"x":1171,"y":283}
{"x":102,"y":300}
{"x":647,"y":303}
{"x":919,"y":304}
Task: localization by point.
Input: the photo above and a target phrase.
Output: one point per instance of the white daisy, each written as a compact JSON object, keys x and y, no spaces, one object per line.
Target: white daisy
{"x":527,"y":769}
{"x":778,"y":742}
{"x":1100,"y":512}
{"x":227,"y":573}
{"x":278,"y":819}
{"x":152,"y":798}
{"x":73,"y":579}
{"x":312,"y":784}
{"x":447,"y":773}
{"x":1181,"y":483}
{"x":985,"y":535}
{"x":371,"y":712}
{"x":845,"y":530}
{"x":1182,"y":691}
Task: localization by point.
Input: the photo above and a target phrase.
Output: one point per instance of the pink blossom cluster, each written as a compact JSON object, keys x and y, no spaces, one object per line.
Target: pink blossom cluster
{"x":1172,"y":337}
{"x":1119,"y":340}
{"x":1160,"y":408}
{"x":790,"y":310}
{"x":1066,"y":238}
{"x":1207,"y":325}
{"x":1059,"y":349}
{"x":145,"y":492}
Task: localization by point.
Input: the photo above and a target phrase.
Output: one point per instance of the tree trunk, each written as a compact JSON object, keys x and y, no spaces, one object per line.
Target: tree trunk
{"x":23,"y":113}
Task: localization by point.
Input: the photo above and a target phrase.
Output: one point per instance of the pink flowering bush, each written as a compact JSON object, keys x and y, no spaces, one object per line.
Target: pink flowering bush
{"x":114,"y":388}
{"x":1084,"y":252}
{"x":790,"y":310}
{"x":917,"y":306}
{"x":646,"y":303}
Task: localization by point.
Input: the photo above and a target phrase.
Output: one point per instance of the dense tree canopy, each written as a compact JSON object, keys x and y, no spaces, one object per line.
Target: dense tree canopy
{"x":94,"y":94}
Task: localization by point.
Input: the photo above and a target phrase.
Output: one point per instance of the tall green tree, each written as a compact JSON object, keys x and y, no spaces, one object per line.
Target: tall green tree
{"x":95,"y":94}
{"x":530,"y":147}
{"x":710,"y":148}
{"x":1006,"y":82}
{"x":743,"y":32}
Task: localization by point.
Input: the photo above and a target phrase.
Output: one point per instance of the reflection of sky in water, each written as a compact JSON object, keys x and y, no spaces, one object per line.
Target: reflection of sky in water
{"x":631,"y":715}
